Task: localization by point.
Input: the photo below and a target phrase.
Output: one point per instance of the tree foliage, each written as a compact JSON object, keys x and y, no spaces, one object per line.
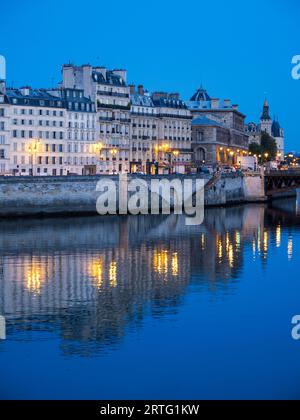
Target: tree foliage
{"x":267,"y":147}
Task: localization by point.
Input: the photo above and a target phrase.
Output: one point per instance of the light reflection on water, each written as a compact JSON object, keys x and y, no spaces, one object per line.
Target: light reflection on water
{"x":90,"y":283}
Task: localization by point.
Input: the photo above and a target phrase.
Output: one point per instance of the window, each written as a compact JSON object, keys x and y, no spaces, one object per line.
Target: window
{"x":2,"y":154}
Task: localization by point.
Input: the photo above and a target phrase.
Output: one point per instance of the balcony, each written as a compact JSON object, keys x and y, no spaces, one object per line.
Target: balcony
{"x":116,"y":94}
{"x":114,"y":106}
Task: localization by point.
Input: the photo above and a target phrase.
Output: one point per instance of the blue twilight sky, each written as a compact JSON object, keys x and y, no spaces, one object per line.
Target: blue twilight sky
{"x":237,"y":50}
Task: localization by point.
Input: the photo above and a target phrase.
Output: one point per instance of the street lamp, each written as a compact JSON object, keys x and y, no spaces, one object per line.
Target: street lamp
{"x":175,"y":153}
{"x":114,"y":152}
{"x":33,"y":148}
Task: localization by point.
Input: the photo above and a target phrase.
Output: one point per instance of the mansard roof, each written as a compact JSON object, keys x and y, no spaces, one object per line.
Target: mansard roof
{"x":55,"y":98}
{"x":35,"y":97}
{"x":167,"y":102}
{"x":109,"y":79}
{"x":141,"y":100}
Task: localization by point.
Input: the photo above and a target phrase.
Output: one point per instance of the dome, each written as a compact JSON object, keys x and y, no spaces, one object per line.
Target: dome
{"x":200,"y":95}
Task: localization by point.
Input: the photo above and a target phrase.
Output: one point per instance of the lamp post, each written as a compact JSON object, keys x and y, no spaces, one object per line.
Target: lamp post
{"x":175,"y":154}
{"x":114,"y":152}
{"x":33,"y":148}
{"x":98,"y":149}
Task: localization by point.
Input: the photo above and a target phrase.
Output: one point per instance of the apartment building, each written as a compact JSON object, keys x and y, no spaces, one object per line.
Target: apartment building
{"x":173,"y":149}
{"x":37,"y":125}
{"x":144,"y":131}
{"x":82,"y":149}
{"x":109,"y":91}
{"x":4,"y":131}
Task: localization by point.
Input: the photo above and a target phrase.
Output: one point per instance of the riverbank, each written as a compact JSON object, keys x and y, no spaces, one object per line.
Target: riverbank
{"x":25,"y":196}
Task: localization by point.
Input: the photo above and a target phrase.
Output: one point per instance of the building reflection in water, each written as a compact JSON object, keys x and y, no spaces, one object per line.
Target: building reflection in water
{"x":92,"y":277}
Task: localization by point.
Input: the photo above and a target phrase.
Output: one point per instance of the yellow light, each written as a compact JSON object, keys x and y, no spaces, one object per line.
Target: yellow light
{"x":278,"y":236}
{"x":34,"y":278}
{"x":161,"y":262}
{"x":175,"y":265}
{"x":113,"y":274}
{"x":33,"y":146}
{"x":230,"y":256}
{"x":96,"y":271}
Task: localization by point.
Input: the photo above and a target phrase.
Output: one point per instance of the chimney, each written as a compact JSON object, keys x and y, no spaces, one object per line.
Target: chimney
{"x":235,"y":106}
{"x":215,"y":103}
{"x":132,"y":89}
{"x":141,"y":90}
{"x":227,"y":103}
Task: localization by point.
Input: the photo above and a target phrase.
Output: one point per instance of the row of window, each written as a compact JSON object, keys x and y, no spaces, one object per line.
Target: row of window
{"x":42,"y":123}
{"x":41,"y":112}
{"x":52,"y":160}
{"x":49,"y":135}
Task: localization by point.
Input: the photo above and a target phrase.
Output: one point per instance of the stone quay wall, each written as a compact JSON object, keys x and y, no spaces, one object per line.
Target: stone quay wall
{"x":21,"y":196}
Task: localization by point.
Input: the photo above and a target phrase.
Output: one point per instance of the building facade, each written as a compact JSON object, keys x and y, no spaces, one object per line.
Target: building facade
{"x":37,"y":129}
{"x":218,"y":135}
{"x":111,"y":95}
{"x":174,"y":145}
{"x":139,"y":131}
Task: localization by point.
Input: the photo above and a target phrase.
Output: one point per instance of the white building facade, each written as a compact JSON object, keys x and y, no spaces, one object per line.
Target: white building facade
{"x":40,"y":135}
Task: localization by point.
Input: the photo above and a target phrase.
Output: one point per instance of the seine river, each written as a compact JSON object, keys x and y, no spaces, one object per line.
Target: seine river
{"x":147,"y":308}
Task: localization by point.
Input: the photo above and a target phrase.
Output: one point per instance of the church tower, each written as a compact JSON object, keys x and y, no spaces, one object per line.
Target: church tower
{"x":265,"y":119}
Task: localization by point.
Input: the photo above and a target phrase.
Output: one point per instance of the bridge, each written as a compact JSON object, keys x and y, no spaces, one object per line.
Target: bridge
{"x":281,"y":181}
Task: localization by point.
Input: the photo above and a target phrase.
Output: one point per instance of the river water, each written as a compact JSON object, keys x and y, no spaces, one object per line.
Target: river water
{"x":147,"y":308}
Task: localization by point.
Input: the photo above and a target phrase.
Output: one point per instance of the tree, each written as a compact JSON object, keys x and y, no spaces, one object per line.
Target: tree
{"x":266,"y":150}
{"x":255,"y":149}
{"x":268,"y":146}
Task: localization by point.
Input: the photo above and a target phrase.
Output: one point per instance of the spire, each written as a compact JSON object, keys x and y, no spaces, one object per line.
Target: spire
{"x":266,"y":111}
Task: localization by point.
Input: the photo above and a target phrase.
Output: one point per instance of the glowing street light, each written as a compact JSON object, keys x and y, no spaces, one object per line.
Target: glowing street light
{"x":33,"y":148}
{"x":114,"y":152}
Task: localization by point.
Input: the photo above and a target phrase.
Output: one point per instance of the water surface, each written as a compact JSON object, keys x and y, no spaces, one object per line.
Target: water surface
{"x":145,"y":307}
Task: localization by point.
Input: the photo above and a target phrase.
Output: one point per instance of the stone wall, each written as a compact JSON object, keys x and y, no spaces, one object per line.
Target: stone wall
{"x":59,"y":195}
